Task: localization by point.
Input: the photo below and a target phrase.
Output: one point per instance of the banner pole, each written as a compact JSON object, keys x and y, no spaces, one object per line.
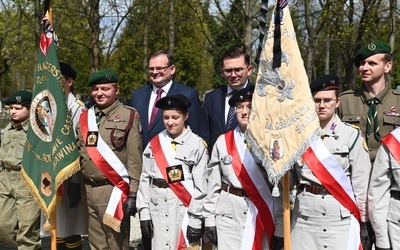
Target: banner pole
{"x":286,"y":211}
{"x":54,"y":229}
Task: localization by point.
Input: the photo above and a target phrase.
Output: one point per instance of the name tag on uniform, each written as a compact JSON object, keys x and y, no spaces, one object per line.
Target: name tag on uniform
{"x":175,"y":174}
{"x":92,"y":138}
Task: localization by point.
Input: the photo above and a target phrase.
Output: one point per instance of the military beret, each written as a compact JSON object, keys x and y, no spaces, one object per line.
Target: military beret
{"x":177,"y":102}
{"x":245,"y":94}
{"x":19,"y":97}
{"x":67,"y":71}
{"x":103,"y":76}
{"x":371,"y":49}
{"x":326,"y":82}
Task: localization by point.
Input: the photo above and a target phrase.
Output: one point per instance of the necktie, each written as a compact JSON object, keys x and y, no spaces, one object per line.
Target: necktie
{"x":231,"y":116}
{"x":372,"y":117}
{"x":98,"y":117}
{"x":155,"y":109}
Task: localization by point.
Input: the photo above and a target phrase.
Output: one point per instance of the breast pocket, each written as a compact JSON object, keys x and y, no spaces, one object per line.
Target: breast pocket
{"x":341,"y":154}
{"x":117,"y":132}
{"x":352,"y":119}
{"x":391,"y":120}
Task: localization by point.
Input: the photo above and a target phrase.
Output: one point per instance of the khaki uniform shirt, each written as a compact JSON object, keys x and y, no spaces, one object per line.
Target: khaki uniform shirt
{"x":384,"y":213}
{"x":116,"y":117}
{"x":12,"y":145}
{"x":354,"y":109}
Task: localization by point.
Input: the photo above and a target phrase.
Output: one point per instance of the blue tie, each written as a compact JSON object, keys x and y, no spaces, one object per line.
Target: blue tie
{"x":231,"y":116}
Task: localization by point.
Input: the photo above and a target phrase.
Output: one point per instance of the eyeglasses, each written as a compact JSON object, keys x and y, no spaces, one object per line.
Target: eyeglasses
{"x":238,"y":71}
{"x":326,"y":101}
{"x":240,"y":108}
{"x":158,"y":69}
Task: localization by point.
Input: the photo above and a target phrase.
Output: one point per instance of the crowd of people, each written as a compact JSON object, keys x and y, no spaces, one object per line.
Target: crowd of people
{"x":185,"y":168}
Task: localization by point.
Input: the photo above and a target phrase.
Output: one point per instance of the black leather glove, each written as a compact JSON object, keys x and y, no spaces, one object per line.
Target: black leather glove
{"x":193,"y":234}
{"x":364,"y":235}
{"x":147,"y":228}
{"x":211,"y":233}
{"x":74,"y":194}
{"x":277,"y":243}
{"x":130,"y":205}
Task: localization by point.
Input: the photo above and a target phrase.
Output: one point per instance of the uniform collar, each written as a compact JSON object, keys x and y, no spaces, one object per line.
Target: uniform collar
{"x":183,"y":137}
{"x":109,"y":110}
{"x":23,"y":125}
{"x":381,"y":95}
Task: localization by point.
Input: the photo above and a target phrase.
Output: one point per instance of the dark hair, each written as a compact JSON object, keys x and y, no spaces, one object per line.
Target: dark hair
{"x":170,"y":58}
{"x":233,"y":53}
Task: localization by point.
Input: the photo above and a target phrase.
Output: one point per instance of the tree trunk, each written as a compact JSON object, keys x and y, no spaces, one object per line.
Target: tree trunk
{"x":248,"y":16}
{"x":146,"y":41}
{"x":94,"y":36}
{"x":171,"y":44}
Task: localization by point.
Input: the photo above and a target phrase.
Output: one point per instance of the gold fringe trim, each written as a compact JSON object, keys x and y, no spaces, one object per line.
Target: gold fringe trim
{"x":112,"y":222}
{"x":63,"y":175}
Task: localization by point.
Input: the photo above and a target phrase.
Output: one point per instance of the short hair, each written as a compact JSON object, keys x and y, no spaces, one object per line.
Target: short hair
{"x":170,"y":57}
{"x":235,"y":52}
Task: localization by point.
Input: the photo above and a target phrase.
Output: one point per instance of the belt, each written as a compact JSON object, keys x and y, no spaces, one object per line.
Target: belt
{"x":232,"y":190}
{"x":395,"y":194}
{"x":97,"y":183}
{"x":314,"y":189}
{"x":160,"y":183}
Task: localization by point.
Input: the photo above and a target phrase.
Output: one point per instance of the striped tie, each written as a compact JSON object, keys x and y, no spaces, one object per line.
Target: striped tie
{"x":372,"y":117}
{"x":155,"y":109}
{"x":231,"y":116}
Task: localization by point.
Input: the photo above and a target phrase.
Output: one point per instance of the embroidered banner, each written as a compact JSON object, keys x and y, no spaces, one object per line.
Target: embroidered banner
{"x":283,"y":121}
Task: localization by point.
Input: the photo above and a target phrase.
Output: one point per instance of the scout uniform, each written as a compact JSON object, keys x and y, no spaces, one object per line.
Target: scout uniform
{"x":19,"y":216}
{"x":116,"y":139}
{"x":384,"y":193}
{"x":319,"y":220}
{"x":229,"y":203}
{"x":356,"y":103}
{"x":171,"y":193}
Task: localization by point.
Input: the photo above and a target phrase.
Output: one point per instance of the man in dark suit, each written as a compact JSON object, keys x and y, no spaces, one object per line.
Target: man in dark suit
{"x":161,"y":72}
{"x":236,"y":70}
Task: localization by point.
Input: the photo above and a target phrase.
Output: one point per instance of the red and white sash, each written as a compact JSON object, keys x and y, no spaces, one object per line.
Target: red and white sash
{"x":392,"y":142}
{"x":260,"y":218}
{"x":164,"y":155}
{"x":331,"y":175}
{"x":111,"y":166}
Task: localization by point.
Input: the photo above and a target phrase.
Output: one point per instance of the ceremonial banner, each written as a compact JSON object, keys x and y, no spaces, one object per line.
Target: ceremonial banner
{"x":283,"y":121}
{"x":50,"y":154}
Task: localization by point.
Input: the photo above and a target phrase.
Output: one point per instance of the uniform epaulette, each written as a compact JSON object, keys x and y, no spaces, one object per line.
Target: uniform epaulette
{"x":79,"y":102}
{"x":129,"y":107}
{"x":395,"y":92}
{"x":347,"y":92}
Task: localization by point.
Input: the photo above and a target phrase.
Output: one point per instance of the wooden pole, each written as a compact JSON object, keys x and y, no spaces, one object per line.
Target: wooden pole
{"x":286,"y":211}
{"x":54,"y":229}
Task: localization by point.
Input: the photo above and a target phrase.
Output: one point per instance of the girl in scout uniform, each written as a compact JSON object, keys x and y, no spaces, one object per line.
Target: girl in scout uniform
{"x":173,"y":181}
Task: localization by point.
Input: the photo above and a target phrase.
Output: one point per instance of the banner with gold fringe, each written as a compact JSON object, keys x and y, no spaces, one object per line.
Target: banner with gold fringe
{"x":51,"y":154}
{"x":283,"y":121}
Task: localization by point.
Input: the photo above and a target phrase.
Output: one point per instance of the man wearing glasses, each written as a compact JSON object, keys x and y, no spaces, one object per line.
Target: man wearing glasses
{"x":161,"y":71}
{"x":219,"y":117}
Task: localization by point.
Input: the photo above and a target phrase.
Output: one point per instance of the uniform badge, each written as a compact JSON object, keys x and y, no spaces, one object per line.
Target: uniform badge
{"x":392,"y":112}
{"x":175,"y":174}
{"x":227,"y":159}
{"x":92,"y":138}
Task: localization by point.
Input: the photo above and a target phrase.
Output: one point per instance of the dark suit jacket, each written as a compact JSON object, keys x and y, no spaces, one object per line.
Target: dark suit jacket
{"x":214,"y":115}
{"x":140,"y":101}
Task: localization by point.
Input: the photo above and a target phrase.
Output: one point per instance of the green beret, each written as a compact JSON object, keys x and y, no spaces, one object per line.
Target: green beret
{"x":371,"y":49}
{"x":19,"y":97}
{"x":243,"y":95}
{"x":326,"y":82}
{"x":174,"y":102}
{"x":103,"y":76}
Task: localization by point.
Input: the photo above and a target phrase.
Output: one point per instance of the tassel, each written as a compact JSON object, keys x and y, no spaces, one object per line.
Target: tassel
{"x":47,"y":226}
{"x":275,"y":191}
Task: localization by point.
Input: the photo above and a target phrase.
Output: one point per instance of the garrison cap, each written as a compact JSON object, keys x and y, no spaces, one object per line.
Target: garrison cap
{"x":103,"y":76}
{"x":326,"y":82}
{"x":371,"y":49}
{"x":19,"y":97}
{"x":175,"y":102}
{"x":67,"y":71}
{"x":245,"y":94}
